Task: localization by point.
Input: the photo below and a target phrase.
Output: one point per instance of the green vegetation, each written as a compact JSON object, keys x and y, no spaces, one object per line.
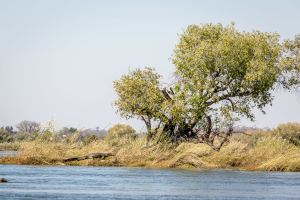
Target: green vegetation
{"x":220,"y":75}
{"x":120,"y":134}
{"x":9,"y":146}
{"x":288,"y":131}
{"x":5,"y":137}
{"x":215,"y":66}
{"x":262,"y":150}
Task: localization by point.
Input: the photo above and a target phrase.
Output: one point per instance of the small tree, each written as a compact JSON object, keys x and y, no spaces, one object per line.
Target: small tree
{"x":139,"y":95}
{"x":220,"y":75}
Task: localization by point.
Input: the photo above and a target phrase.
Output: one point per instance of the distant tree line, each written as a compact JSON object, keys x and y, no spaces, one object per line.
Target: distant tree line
{"x":116,"y":135}
{"x":9,"y":129}
{"x":27,"y":131}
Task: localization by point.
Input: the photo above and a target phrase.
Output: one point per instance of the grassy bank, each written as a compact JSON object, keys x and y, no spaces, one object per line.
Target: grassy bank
{"x":268,"y":153}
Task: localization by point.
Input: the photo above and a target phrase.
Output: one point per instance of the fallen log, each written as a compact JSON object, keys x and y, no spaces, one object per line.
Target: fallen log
{"x":91,"y":156}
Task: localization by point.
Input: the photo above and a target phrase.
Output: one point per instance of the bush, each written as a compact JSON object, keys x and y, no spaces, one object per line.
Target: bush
{"x":68,"y":135}
{"x":288,"y":130}
{"x":22,"y":136}
{"x":4,"y":136}
{"x":120,"y":134}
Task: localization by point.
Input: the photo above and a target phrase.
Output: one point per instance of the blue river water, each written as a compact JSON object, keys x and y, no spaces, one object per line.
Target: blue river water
{"x":7,"y":153}
{"x":78,"y":182}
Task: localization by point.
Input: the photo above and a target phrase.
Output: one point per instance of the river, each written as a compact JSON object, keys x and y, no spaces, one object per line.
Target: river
{"x":77,"y":182}
{"x":7,"y":153}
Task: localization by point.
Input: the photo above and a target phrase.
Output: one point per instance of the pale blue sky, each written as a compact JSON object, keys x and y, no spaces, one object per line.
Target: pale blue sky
{"x":62,"y":56}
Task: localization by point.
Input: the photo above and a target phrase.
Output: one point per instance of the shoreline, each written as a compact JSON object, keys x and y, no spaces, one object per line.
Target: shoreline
{"x":118,"y":162}
{"x":140,"y":167}
{"x":269,"y":153}
{"x":217,"y":168}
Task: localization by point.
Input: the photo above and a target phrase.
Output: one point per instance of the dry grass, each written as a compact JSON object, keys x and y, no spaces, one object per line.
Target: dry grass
{"x":267,"y":153}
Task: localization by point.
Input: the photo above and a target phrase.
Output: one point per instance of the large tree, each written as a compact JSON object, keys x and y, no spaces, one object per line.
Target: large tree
{"x":221,"y":74}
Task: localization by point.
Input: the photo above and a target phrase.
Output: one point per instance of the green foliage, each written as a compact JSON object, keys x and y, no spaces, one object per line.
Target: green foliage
{"x":72,"y":130}
{"x":22,"y":136}
{"x":11,"y":146}
{"x":120,"y":134}
{"x":215,"y":66}
{"x":68,"y":135}
{"x":214,"y":63}
{"x":4,"y":136}
{"x":90,"y":139}
{"x":288,"y":130}
{"x":139,"y":95}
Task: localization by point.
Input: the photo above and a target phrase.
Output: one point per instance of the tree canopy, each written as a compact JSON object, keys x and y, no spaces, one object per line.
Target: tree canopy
{"x":220,"y":75}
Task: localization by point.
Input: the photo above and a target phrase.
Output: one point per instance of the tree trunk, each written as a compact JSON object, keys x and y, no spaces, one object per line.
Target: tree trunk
{"x":169,"y":127}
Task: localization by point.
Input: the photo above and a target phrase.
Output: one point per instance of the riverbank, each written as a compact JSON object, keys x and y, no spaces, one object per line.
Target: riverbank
{"x":269,"y":153}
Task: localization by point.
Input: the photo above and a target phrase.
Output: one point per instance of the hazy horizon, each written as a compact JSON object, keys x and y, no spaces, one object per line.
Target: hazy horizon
{"x":60,"y":57}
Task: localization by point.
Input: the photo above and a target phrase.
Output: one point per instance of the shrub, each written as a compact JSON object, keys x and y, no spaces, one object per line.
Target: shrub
{"x":22,"y":136}
{"x":288,"y":130}
{"x":120,"y":134}
{"x":4,"y":136}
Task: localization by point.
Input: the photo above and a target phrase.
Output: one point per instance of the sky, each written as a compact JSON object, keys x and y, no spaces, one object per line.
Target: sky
{"x":61,"y":57}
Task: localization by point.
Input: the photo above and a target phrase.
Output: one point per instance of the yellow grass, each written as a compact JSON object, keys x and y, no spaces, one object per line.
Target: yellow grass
{"x":269,"y":153}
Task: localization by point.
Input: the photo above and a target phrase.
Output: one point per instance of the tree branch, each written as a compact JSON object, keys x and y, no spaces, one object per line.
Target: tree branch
{"x":171,"y":92}
{"x":227,"y":96}
{"x":166,"y":95}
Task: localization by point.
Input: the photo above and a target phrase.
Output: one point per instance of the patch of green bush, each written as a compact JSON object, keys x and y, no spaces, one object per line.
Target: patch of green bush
{"x":22,"y":136}
{"x":288,"y":130}
{"x":120,"y":134}
{"x":5,"y":137}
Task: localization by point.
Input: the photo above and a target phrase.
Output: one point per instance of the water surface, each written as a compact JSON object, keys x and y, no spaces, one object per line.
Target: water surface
{"x":7,"y":153}
{"x":77,"y":182}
